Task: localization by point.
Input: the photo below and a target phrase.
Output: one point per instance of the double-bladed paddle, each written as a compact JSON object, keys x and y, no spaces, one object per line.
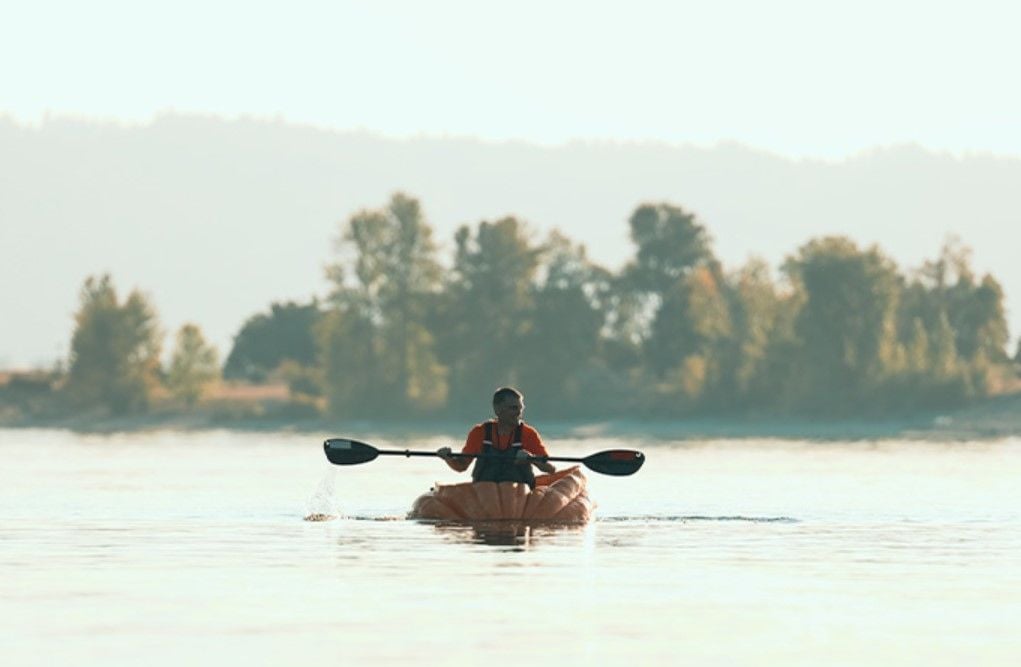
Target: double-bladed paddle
{"x":620,"y":462}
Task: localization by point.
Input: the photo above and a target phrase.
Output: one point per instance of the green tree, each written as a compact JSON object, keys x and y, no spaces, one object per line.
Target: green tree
{"x":846,"y":325}
{"x":351,"y":363}
{"x":756,"y":372}
{"x":919,"y":358}
{"x":670,"y":242}
{"x":949,"y":380}
{"x":561,"y":348}
{"x":394,"y":280}
{"x":486,"y":313}
{"x":965,"y":323}
{"x":980,"y":321}
{"x":945,"y":362}
{"x":974,"y":308}
{"x":286,"y":333}
{"x":115,"y":349}
{"x":194,"y":366}
{"x":690,"y":337}
{"x":670,"y":304}
{"x":654,"y":296}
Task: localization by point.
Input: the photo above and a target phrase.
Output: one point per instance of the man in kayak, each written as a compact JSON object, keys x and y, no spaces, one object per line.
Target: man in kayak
{"x":506,"y":443}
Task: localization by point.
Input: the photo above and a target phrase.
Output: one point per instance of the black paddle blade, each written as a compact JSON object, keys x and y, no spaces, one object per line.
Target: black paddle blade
{"x":619,"y":462}
{"x":346,"y":452}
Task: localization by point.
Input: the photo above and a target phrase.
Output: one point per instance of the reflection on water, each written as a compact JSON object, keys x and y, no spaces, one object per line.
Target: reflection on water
{"x":494,"y":533}
{"x":518,"y":534}
{"x":170,"y":549}
{"x":523,"y":534}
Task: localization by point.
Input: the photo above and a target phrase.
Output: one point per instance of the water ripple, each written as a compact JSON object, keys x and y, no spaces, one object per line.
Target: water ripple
{"x":648,"y":518}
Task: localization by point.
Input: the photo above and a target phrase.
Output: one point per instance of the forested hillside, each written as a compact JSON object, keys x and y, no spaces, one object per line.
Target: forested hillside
{"x":215,"y":218}
{"x":840,"y":331}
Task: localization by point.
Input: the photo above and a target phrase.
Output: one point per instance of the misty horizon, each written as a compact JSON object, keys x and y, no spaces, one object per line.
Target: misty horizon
{"x":248,"y":209}
{"x":791,"y":78}
{"x":865,"y":150}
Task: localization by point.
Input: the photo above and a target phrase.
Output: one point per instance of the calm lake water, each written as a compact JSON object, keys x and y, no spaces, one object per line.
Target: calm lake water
{"x":190,"y":548}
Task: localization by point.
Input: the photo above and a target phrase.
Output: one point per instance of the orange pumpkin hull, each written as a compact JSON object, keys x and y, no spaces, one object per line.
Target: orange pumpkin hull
{"x":557,"y":498}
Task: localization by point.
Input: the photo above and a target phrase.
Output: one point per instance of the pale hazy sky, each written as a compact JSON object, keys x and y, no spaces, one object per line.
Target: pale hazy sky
{"x":798,"y":78}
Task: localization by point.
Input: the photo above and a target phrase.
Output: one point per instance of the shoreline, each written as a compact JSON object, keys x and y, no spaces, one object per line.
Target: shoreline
{"x":994,"y":418}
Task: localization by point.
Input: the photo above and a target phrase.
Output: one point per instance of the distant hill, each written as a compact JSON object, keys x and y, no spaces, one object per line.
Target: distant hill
{"x":216,"y":218}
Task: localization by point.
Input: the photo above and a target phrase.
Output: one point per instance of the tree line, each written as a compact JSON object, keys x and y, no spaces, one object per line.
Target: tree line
{"x":840,"y":331}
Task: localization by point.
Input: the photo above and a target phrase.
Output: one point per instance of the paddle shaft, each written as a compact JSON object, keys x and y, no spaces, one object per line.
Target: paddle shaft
{"x":456,"y":455}
{"x":619,"y":462}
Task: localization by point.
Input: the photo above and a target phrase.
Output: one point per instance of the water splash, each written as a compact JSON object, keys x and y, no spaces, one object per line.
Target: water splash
{"x":323,"y":504}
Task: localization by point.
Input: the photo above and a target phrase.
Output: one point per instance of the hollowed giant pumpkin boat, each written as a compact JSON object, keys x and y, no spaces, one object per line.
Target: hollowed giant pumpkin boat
{"x":558,"y":498}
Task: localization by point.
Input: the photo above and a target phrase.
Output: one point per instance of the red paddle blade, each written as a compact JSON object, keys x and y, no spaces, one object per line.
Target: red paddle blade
{"x":618,"y":462}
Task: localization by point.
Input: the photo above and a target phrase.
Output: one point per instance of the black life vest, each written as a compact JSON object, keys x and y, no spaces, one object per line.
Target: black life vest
{"x":497,"y":465}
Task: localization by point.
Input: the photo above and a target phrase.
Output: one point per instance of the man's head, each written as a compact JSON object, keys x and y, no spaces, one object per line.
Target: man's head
{"x":508,"y":404}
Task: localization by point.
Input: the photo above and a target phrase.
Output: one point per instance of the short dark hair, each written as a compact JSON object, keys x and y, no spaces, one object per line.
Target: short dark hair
{"x":505,"y":392}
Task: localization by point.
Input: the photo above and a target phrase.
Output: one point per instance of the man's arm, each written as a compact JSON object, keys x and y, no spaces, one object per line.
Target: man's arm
{"x":545,"y":466}
{"x":458,"y":463}
{"x":533,"y":445}
{"x":472,"y":445}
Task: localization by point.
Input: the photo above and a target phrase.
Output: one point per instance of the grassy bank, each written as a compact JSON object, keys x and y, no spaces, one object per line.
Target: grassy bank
{"x":268,"y":409}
